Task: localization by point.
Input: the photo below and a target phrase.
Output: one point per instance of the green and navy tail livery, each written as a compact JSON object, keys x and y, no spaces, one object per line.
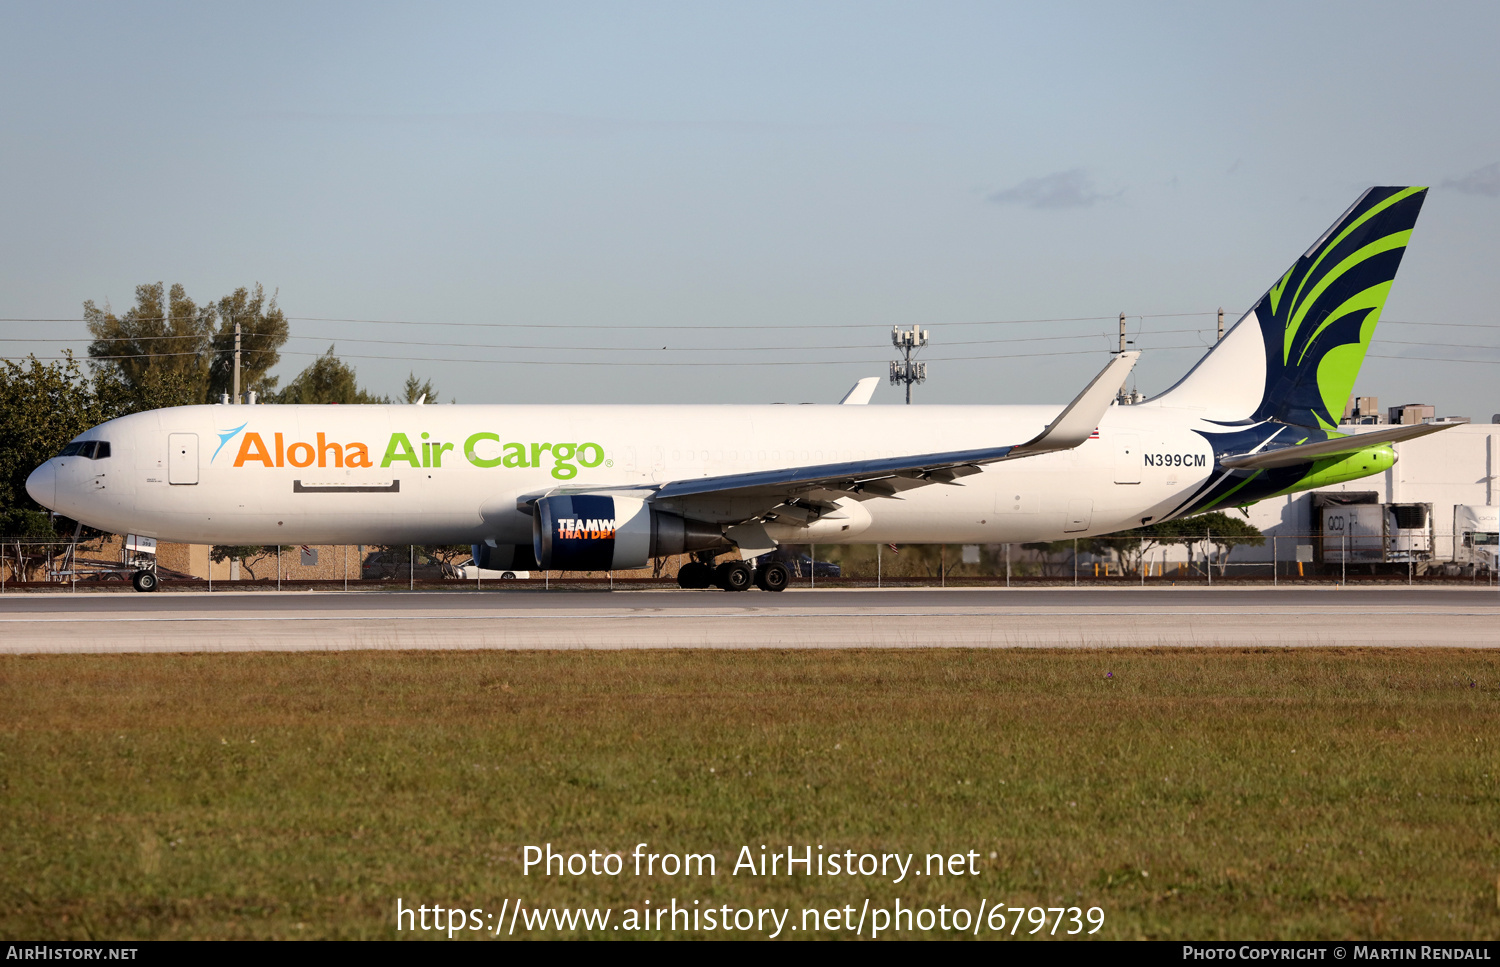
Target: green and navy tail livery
{"x":1272,"y":391}
{"x":1294,"y":357}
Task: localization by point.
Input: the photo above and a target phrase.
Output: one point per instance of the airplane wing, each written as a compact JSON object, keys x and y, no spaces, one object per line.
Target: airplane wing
{"x":1307,"y":452}
{"x":739,"y":494}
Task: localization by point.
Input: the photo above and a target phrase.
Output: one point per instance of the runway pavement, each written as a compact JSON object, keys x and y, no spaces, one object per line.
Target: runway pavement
{"x":925,"y":618}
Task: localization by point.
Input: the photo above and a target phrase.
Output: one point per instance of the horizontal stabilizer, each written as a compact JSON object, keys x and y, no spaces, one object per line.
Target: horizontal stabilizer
{"x":1308,"y":452}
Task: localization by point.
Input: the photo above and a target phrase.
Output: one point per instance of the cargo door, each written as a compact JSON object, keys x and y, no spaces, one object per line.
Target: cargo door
{"x":1127,"y":459}
{"x":182,"y":458}
{"x":1080,"y":514}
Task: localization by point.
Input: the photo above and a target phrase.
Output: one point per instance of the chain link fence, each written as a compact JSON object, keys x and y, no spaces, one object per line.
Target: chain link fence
{"x":1274,"y":559}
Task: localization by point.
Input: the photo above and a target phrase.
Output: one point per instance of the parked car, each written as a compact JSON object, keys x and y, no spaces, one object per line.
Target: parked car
{"x":384,"y":566}
{"x":466,"y":571}
{"x":801,"y":565}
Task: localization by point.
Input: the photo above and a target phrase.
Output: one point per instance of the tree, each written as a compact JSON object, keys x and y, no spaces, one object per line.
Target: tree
{"x":414,"y":390}
{"x":248,"y":555}
{"x":165,"y":335}
{"x":263,"y":331}
{"x":42,"y":407}
{"x":1223,"y":533}
{"x":328,"y":380}
{"x":167,"y":340}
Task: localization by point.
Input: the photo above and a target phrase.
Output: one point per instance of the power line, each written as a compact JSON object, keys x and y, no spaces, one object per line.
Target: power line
{"x":650,"y":349}
{"x":850,"y":325}
{"x":616,"y":362}
{"x":572,"y":325}
{"x":1454,"y":325}
{"x":1433,"y":345}
{"x":612,"y":349}
{"x":1432,"y":359}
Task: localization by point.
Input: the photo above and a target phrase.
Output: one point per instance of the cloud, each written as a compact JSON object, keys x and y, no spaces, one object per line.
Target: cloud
{"x":1064,"y":189}
{"x":1480,"y":181}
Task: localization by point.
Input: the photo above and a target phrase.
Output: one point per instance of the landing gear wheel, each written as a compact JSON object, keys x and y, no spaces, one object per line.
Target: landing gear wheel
{"x":144,"y":581}
{"x":734,"y":576}
{"x":694,"y":576}
{"x":772,"y":577}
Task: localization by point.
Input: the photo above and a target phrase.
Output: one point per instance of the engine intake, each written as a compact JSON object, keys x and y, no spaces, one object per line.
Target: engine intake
{"x":596,"y":532}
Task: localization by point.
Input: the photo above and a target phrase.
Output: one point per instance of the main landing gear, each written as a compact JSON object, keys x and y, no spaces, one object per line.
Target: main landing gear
{"x":733,"y":576}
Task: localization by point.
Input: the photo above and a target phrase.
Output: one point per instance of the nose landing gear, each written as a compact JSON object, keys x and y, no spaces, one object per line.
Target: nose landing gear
{"x":144,"y":581}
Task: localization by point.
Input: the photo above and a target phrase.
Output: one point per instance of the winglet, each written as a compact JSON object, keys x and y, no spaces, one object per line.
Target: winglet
{"x":1080,"y":418}
{"x":859,"y":394}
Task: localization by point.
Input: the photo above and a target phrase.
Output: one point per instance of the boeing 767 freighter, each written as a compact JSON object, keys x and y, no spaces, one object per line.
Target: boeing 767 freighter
{"x":588,"y":488}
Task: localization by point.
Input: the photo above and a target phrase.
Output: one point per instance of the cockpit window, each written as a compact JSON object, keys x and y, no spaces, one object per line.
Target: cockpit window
{"x":93,"y":449}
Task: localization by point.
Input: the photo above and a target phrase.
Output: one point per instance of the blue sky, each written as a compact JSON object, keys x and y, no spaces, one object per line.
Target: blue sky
{"x":830,"y":169}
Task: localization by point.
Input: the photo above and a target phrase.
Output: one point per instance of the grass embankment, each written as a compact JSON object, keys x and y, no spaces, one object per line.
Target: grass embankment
{"x":1290,"y":794}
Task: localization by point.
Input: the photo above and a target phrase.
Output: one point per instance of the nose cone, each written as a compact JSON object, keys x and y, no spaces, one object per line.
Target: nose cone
{"x":42,"y":485}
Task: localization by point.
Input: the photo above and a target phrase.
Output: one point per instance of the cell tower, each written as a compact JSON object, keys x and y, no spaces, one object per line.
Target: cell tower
{"x":904,"y":370}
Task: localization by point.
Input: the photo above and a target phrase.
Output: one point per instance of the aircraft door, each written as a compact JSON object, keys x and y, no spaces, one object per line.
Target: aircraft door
{"x":1127,"y":459}
{"x":182,"y":458}
{"x":1080,"y":515}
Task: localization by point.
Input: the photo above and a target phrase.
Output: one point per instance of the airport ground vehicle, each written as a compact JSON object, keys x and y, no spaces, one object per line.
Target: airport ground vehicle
{"x":385,"y":566}
{"x":1476,"y":537}
{"x":467,"y":570}
{"x":595,"y":488}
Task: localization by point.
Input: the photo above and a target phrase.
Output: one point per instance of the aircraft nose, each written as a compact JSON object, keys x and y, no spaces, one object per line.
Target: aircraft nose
{"x":42,"y":485}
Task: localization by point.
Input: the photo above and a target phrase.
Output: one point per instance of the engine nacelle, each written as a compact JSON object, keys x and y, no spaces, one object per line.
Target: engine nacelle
{"x":598,"y":532}
{"x":838,"y":526}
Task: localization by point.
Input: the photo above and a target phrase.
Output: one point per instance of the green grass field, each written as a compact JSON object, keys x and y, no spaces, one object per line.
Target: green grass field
{"x":1203,"y":794}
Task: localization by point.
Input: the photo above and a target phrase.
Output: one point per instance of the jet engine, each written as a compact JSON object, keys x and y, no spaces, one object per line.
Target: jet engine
{"x":597,"y":532}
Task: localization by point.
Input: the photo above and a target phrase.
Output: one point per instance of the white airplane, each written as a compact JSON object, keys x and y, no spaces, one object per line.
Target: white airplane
{"x":584,"y":488}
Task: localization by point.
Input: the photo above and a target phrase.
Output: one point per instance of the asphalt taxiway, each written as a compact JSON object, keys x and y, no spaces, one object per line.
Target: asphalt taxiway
{"x":1390,"y":616}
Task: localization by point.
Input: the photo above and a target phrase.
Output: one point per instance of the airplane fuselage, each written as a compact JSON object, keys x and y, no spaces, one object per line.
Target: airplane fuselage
{"x":271,"y":474}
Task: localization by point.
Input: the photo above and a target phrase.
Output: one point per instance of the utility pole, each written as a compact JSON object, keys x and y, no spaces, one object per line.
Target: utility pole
{"x":236,"y":360}
{"x":904,"y":370}
{"x":1124,"y":397}
{"x":1221,"y":322}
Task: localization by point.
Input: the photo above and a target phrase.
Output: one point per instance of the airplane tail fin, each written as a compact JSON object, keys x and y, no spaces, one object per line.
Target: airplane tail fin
{"x":1294,"y":357}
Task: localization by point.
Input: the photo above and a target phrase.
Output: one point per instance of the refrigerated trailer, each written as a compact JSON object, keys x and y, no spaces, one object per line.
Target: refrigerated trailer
{"x":1374,"y":533}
